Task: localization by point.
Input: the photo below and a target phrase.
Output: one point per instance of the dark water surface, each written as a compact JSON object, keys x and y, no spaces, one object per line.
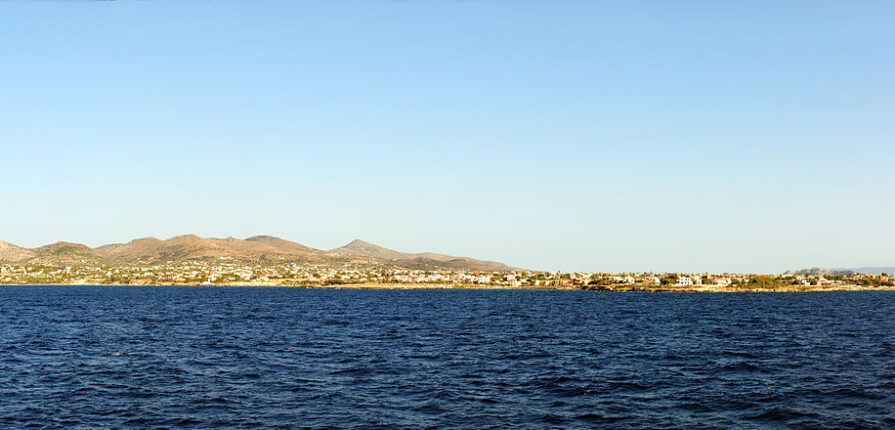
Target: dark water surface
{"x":146,"y":357}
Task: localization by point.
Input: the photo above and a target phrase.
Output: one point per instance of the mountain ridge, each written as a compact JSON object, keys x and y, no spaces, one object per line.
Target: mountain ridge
{"x":258,"y":249}
{"x":359,"y":248}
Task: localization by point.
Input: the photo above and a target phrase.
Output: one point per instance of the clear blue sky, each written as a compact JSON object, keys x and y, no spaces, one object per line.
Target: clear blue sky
{"x":720,"y":136}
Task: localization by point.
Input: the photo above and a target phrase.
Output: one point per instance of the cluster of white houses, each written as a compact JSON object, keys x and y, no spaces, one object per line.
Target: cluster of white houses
{"x":230,"y":273}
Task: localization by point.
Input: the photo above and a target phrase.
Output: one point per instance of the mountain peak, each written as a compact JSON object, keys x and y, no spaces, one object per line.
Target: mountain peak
{"x":66,"y":252}
{"x":186,"y":237}
{"x":149,"y":239}
{"x":359,"y":248}
{"x":358,"y":242}
{"x":64,"y":245}
{"x":263,"y":238}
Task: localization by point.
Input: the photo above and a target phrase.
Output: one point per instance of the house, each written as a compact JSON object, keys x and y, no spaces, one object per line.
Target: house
{"x":684,"y":280}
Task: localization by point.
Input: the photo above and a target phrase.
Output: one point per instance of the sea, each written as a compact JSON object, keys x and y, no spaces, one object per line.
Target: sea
{"x":102,"y":357}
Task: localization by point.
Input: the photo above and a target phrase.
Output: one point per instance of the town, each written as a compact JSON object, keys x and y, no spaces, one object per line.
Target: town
{"x":222,"y":272}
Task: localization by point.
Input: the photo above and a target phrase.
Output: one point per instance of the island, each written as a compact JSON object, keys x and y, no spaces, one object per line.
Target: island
{"x":190,"y":260}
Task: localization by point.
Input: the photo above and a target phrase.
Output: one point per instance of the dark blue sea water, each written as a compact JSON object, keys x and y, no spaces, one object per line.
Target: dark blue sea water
{"x":162,"y":357}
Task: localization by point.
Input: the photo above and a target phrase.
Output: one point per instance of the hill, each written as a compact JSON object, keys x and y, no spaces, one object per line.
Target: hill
{"x":359,"y":248}
{"x":65,"y":253}
{"x":10,"y":252}
{"x":870,"y":270}
{"x":254,"y":250}
{"x":192,"y":247}
{"x":817,"y":271}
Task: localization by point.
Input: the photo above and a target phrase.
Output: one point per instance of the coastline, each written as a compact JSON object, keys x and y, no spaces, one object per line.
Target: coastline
{"x":446,"y":286}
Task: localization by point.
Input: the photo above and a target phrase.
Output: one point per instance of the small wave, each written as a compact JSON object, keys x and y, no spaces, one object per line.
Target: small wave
{"x":430,"y":408}
{"x":357,"y":371}
{"x":741,"y":367}
{"x":855,"y":394}
{"x":597,"y":418}
{"x":779,"y":414}
{"x":739,"y":353}
{"x":552,"y":419}
{"x":626,"y":386}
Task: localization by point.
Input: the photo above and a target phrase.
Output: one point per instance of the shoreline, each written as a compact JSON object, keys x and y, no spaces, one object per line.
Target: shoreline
{"x":442,"y":286}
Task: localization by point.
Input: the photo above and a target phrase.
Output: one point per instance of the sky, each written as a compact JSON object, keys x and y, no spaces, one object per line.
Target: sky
{"x":555,"y":135}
